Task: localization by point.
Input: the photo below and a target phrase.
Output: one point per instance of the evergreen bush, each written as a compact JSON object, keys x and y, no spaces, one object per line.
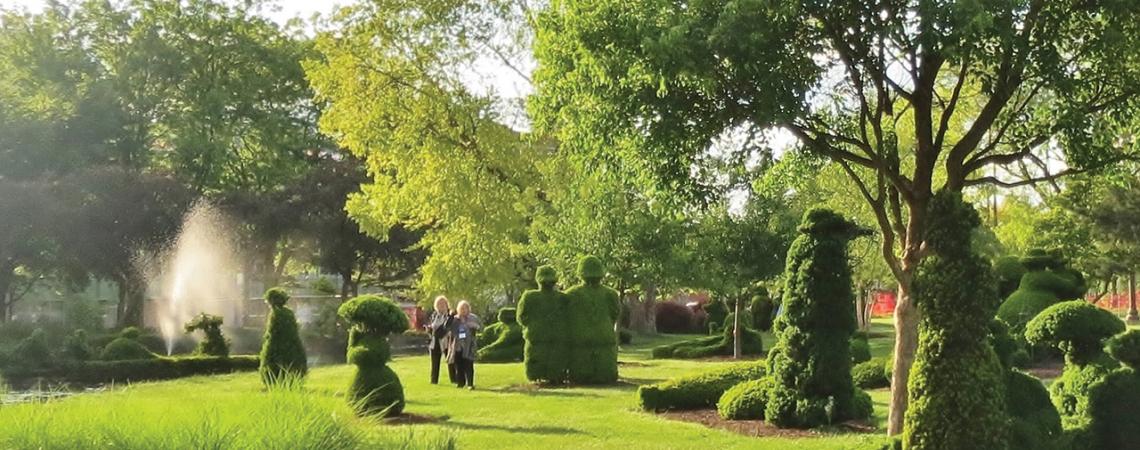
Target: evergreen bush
{"x":1035,"y":423}
{"x":593,"y":311}
{"x":1113,"y":421}
{"x":214,"y":344}
{"x":135,"y":370}
{"x":674,"y":318}
{"x":282,"y":352}
{"x":126,"y":347}
{"x":1008,"y":270}
{"x":717,"y":314}
{"x":811,"y":361}
{"x":957,"y":382}
{"x":375,"y":388}
{"x":76,"y":348}
{"x":505,"y":342}
{"x":871,"y":374}
{"x":33,"y":350}
{"x":1047,"y":281}
{"x":745,"y":401}
{"x":751,"y":343}
{"x":625,"y":337}
{"x":763,"y":311}
{"x":697,"y":391}
{"x":542,"y":313}
{"x":860,"y":348}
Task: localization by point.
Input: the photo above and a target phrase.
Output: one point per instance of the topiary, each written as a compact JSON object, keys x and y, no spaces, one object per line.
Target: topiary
{"x":697,"y":391}
{"x":1009,"y":352}
{"x":1112,"y":402}
{"x":282,"y":352}
{"x":625,"y":337}
{"x":76,"y":348}
{"x":811,"y":361}
{"x":860,"y":349}
{"x":33,"y":350}
{"x":542,"y":315}
{"x":375,"y":388}
{"x":214,"y":344}
{"x":751,"y":343}
{"x":592,"y":312}
{"x":1125,"y":348}
{"x":871,"y":374}
{"x":717,"y":314}
{"x":1047,"y":280}
{"x":1008,"y":271}
{"x":126,"y":347}
{"x":1034,"y":423}
{"x":1075,"y":327}
{"x":745,"y":401}
{"x":507,"y":340}
{"x":763,"y":311}
{"x":674,"y":318}
{"x":957,"y":382}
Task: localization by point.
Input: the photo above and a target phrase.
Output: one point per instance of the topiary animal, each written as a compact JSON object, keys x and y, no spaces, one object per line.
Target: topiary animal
{"x":1046,"y":281}
{"x":126,"y":347}
{"x":505,"y":341}
{"x":593,"y":311}
{"x":375,"y":388}
{"x":282,"y":352}
{"x":214,"y":344}
{"x":542,"y":315}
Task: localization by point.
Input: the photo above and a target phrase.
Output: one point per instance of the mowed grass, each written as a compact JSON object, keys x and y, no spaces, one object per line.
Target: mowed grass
{"x":504,"y":412}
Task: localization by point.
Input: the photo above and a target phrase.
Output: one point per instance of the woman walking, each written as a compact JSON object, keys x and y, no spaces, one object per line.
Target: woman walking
{"x":463,"y":344}
{"x":437,"y":328}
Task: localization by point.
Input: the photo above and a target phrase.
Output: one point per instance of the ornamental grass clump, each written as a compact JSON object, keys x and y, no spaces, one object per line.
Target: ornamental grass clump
{"x":957,"y":382}
{"x":282,"y":353}
{"x":542,"y":315}
{"x":593,"y":311}
{"x":811,"y":361}
{"x":375,"y":388}
{"x":126,"y":347}
{"x":214,"y":344}
{"x":505,"y":341}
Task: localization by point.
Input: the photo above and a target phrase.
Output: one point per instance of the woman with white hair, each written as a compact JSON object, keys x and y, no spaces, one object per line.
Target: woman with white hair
{"x":437,"y":328}
{"x":463,"y":345}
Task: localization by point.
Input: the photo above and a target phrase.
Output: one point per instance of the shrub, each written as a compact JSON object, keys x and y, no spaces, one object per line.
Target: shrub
{"x":1077,"y":328}
{"x":214,"y":344}
{"x":134,"y":370}
{"x":593,"y":310}
{"x":871,"y":374}
{"x":1125,"y":348}
{"x":674,"y":318}
{"x":860,"y":349}
{"x":696,"y":391}
{"x":1008,"y":271}
{"x":745,"y":401}
{"x":34,"y":350}
{"x":505,"y":340}
{"x":956,"y":369}
{"x":722,"y":345}
{"x":1047,"y":281}
{"x":126,"y":347}
{"x":542,"y":315}
{"x":717,"y":315}
{"x":1008,"y":351}
{"x":811,"y":361}
{"x":375,"y":388}
{"x":625,"y":337}
{"x":76,"y":348}
{"x":1035,"y":423}
{"x":763,"y":310}
{"x":282,"y":352}
{"x":1111,"y":407}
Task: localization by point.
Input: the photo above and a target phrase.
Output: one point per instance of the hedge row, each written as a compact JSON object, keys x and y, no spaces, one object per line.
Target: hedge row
{"x":162,"y":368}
{"x":697,"y":391}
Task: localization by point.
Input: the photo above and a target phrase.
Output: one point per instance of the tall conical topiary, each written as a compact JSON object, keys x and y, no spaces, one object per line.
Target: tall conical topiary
{"x":810,"y":364}
{"x":375,"y":388}
{"x":214,"y":343}
{"x":957,"y":382}
{"x":542,"y":314}
{"x":593,"y":310}
{"x":282,"y":353}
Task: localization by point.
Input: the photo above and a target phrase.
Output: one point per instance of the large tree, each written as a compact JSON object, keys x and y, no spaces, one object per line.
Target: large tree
{"x":908,"y":96}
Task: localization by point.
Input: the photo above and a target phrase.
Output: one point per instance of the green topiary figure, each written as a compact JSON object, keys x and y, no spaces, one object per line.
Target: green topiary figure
{"x":745,"y":401}
{"x":1047,"y":280}
{"x":126,"y":347}
{"x":592,"y":311}
{"x":282,"y":353}
{"x":1008,"y":270}
{"x":811,"y":362}
{"x":542,"y":315}
{"x":1078,"y":329}
{"x":717,"y":313}
{"x":1113,"y":421}
{"x":214,"y":344}
{"x":957,"y":293}
{"x":721,"y":344}
{"x":375,"y":388}
{"x":76,"y":348}
{"x":33,"y":351}
{"x":505,"y":341}
{"x":763,"y":311}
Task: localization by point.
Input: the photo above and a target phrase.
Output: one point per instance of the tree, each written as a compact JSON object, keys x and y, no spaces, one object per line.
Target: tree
{"x":906,"y":96}
{"x":25,"y":213}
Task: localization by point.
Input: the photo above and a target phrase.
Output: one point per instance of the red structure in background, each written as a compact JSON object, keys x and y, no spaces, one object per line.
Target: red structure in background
{"x":1112,"y":302}
{"x":883,"y":303}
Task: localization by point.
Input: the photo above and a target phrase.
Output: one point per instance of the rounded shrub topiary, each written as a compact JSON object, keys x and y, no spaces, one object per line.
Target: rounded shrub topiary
{"x":282,"y":352}
{"x":860,"y":349}
{"x":1076,"y":327}
{"x":956,"y":369}
{"x":1112,"y":402}
{"x":717,"y":315}
{"x":1047,"y":281}
{"x":763,"y":311}
{"x":505,"y":342}
{"x":674,"y":318}
{"x":697,"y":391}
{"x":592,"y":310}
{"x":811,"y":360}
{"x":375,"y":388}
{"x":214,"y":344}
{"x":871,"y":374}
{"x":542,"y":315}
{"x":33,"y":350}
{"x":745,"y":401}
{"x":1008,"y":271}
{"x":126,"y":347}
{"x":1034,"y":423}
{"x":1125,"y":348}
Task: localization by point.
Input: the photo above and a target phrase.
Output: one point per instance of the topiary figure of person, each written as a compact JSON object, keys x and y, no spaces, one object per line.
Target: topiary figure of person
{"x":1112,"y":402}
{"x":811,"y":362}
{"x":542,"y":315}
{"x":1047,"y":280}
{"x":1078,"y":329}
{"x":375,"y":388}
{"x":126,"y":347}
{"x":762,"y":310}
{"x":957,"y":292}
{"x":505,"y":342}
{"x":592,"y":311}
{"x":282,"y":352}
{"x":717,"y":315}
{"x":214,"y":344}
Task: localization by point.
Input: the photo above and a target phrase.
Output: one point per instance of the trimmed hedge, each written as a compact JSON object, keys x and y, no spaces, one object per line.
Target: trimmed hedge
{"x":375,"y":388}
{"x":1076,"y":327}
{"x":542,"y":315}
{"x":720,"y":345}
{"x":1035,"y":422}
{"x":674,"y":318}
{"x":505,"y":340}
{"x":717,"y":316}
{"x":1008,"y":271}
{"x":1048,"y":280}
{"x":157,"y":368}
{"x":745,"y":401}
{"x":811,"y":361}
{"x":871,"y":374}
{"x":696,"y":391}
{"x":593,"y":310}
{"x":282,"y":352}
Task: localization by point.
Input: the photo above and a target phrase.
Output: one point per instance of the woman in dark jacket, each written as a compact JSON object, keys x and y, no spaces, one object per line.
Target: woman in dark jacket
{"x":463,"y":344}
{"x":437,"y":328}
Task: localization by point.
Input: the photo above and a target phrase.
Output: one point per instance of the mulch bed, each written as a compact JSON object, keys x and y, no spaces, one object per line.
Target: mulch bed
{"x":757,"y":428}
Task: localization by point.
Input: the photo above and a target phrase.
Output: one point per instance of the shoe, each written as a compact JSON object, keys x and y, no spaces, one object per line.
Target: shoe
{"x":471,"y":388}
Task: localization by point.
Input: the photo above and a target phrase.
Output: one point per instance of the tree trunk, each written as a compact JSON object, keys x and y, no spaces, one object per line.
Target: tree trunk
{"x":906,"y":344}
{"x":132,"y":292}
{"x":1133,"y":316}
{"x":736,"y":330}
{"x":643,"y":310}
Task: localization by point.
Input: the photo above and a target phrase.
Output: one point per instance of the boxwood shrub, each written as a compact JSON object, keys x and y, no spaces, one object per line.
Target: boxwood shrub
{"x":763,"y":311}
{"x":745,"y":401}
{"x":541,"y":313}
{"x":697,"y":391}
{"x":375,"y":388}
{"x":1035,"y":423}
{"x":282,"y":352}
{"x":593,"y":311}
{"x":871,"y":374}
{"x":1112,"y":403}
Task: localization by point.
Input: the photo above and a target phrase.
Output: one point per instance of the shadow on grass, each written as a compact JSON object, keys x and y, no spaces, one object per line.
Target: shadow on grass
{"x":524,"y":429}
{"x":548,"y":391}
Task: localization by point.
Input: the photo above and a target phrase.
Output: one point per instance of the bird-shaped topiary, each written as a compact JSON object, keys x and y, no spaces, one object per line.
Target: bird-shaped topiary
{"x":375,"y":388}
{"x":593,"y":310}
{"x":282,"y":353}
{"x":214,"y":344}
{"x":542,"y":315}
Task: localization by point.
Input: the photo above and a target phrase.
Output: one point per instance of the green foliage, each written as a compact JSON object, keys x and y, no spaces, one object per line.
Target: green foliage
{"x":505,"y":342}
{"x":717,"y":313}
{"x":1076,"y":327}
{"x":1008,"y":270}
{"x":1008,"y":349}
{"x":625,"y":337}
{"x":33,"y":350}
{"x":860,"y":349}
{"x":282,"y":357}
{"x":763,"y":311}
{"x":137,"y":369}
{"x":1035,"y":422}
{"x":592,"y":311}
{"x":1125,"y":347}
{"x":542,"y":314}
{"x":871,"y":374}
{"x":76,"y":347}
{"x":375,"y":388}
{"x":696,"y":391}
{"x":1070,"y":392}
{"x":956,"y":368}
{"x":1048,"y":280}
{"x":214,"y":344}
{"x":126,"y":347}
{"x":745,"y":401}
{"x":1112,"y":410}
{"x":722,"y":344}
{"x":811,"y":361}
{"x":324,"y":286}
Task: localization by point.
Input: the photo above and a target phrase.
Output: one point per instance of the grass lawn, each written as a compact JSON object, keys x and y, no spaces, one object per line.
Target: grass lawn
{"x":504,"y":412}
